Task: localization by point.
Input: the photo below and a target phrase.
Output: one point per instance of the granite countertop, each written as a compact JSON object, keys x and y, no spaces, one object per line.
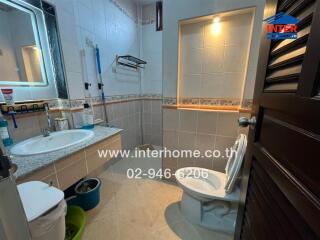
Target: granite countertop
{"x":29,"y":164}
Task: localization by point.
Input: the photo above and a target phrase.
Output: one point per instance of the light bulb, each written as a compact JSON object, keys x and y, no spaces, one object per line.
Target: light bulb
{"x":216,"y":20}
{"x":216,"y":26}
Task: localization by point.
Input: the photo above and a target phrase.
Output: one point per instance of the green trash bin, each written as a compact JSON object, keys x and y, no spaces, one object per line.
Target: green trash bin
{"x":75,"y":223}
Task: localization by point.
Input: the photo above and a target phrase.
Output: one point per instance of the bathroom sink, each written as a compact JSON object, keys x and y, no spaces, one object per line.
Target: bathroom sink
{"x":56,"y":141}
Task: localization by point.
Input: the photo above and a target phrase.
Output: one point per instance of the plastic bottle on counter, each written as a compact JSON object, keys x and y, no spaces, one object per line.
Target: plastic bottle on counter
{"x":4,"y":133}
{"x":88,"y":121}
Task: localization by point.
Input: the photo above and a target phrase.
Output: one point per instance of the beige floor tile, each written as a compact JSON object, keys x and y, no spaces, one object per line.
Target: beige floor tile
{"x":140,"y":208}
{"x":102,"y":229}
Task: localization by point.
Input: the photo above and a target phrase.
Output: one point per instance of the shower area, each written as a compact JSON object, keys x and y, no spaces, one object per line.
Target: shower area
{"x":133,"y":93}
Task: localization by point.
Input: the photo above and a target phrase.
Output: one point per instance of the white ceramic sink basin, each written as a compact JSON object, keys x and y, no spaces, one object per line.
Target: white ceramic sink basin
{"x":56,"y":141}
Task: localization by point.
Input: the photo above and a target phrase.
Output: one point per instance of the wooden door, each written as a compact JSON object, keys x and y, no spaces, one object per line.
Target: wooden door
{"x":280,"y":196}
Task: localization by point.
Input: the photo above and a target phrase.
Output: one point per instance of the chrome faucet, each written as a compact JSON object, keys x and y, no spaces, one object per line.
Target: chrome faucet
{"x":46,"y":131}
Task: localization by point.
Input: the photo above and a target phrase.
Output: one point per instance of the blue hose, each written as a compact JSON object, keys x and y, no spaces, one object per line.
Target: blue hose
{"x":98,"y":60}
{"x":101,"y":83}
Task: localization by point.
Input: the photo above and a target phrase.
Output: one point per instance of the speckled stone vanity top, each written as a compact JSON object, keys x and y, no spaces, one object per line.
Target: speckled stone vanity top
{"x":29,"y":164}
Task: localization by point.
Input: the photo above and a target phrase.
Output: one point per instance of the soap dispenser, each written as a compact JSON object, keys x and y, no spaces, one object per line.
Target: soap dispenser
{"x":87,"y":117}
{"x":4,"y":133}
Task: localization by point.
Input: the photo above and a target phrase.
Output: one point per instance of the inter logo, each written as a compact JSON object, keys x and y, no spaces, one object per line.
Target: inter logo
{"x":282,"y":26}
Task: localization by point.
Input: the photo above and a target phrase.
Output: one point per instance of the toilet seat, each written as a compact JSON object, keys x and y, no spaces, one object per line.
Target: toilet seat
{"x":217,"y":185}
{"x":206,"y":189}
{"x":211,"y":199}
{"x":235,"y":162}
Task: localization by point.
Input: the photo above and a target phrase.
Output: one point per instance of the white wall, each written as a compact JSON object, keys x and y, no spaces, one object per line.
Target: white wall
{"x":114,"y":28}
{"x":151,"y":48}
{"x":177,"y":10}
{"x":213,"y":64}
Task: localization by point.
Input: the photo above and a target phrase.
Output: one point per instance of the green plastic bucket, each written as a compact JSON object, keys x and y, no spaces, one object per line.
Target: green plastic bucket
{"x":75,"y":223}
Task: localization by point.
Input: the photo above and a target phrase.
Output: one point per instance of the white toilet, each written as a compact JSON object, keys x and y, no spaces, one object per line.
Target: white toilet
{"x":45,"y":210}
{"x":210,"y":198}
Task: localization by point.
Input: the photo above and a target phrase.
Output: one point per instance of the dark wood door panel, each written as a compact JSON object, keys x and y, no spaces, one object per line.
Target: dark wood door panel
{"x":300,"y":198}
{"x":301,"y":112}
{"x":276,"y":204}
{"x":270,"y":214}
{"x":294,"y":148}
{"x":309,"y":78}
{"x":280,"y":187}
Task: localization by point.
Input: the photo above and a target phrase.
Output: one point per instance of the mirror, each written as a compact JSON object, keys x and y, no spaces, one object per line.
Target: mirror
{"x":24,"y":48}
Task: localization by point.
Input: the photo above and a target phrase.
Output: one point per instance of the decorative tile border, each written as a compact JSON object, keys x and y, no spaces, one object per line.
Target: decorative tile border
{"x":210,"y":101}
{"x":247,"y":103}
{"x":77,"y":104}
{"x":169,"y":101}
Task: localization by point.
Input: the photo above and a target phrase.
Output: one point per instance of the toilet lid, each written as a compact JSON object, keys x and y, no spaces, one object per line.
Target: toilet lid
{"x":235,"y":161}
{"x":38,"y":198}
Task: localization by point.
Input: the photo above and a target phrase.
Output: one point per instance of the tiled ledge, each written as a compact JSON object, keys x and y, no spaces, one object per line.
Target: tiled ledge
{"x":207,"y":108}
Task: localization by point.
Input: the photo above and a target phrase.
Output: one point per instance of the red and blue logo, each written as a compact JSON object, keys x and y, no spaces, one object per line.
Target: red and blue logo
{"x":282,"y":26}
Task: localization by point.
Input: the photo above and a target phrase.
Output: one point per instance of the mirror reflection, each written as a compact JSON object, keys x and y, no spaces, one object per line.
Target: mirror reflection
{"x":21,"y":59}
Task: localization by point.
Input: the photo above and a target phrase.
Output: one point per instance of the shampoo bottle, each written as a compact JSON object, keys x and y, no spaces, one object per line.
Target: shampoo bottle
{"x":4,"y":133}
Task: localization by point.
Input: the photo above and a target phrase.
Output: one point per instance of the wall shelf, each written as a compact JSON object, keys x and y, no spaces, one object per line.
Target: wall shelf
{"x":130,"y":61}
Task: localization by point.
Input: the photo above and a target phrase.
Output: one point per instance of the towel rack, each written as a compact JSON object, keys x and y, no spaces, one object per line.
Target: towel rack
{"x":130,"y":61}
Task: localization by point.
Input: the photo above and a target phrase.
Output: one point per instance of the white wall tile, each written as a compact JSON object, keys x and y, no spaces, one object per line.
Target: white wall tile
{"x":67,"y":27}
{"x":211,"y":40}
{"x":85,"y":17}
{"x":190,"y":85}
{"x":213,"y":60}
{"x":227,"y":124}
{"x":193,"y":35}
{"x":72,"y":58}
{"x":239,"y":28}
{"x":232,"y":85}
{"x":204,"y":142}
{"x":235,"y":58}
{"x":211,"y":85}
{"x":188,"y":120}
{"x":192,"y":60}
{"x":75,"y":85}
{"x":86,"y":3}
{"x":175,"y":11}
{"x":207,"y":122}
{"x":186,"y":140}
{"x":223,"y":65}
{"x":170,"y":119}
{"x":99,"y":19}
